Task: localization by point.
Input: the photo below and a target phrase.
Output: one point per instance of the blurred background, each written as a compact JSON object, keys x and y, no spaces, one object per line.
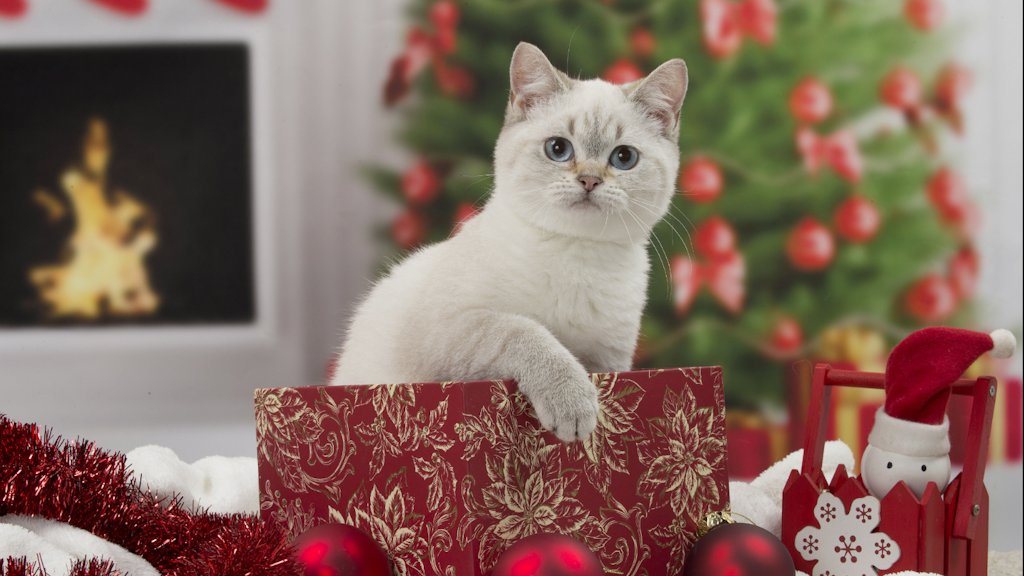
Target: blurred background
{"x":194,"y":194}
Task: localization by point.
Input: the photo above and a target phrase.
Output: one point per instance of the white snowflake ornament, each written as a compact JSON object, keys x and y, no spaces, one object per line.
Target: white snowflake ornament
{"x":843,"y":544}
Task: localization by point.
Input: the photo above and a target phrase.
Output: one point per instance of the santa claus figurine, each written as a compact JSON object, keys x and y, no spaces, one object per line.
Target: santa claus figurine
{"x":910,"y":438}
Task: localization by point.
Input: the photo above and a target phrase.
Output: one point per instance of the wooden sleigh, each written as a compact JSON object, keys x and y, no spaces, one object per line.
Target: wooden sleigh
{"x":944,"y":533}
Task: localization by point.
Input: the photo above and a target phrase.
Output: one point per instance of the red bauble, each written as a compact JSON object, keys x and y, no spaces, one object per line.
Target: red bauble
{"x":811,"y":101}
{"x":857,"y":219}
{"x":787,"y":335}
{"x":444,"y":14}
{"x":901,"y":89}
{"x":408,"y":229}
{"x":953,"y":83}
{"x":622,"y":71}
{"x":340,"y":550}
{"x":931,"y":299}
{"x":947,"y":191}
{"x":642,"y":43}
{"x":548,"y":555}
{"x":714,"y":237}
{"x":721,"y":30}
{"x":963,"y":273}
{"x":759,"y":19}
{"x":700,"y":180}
{"x":810,"y":246}
{"x":739,"y":550}
{"x":13,"y":8}
{"x":455,"y":81}
{"x":420,"y":183}
{"x":925,"y":15}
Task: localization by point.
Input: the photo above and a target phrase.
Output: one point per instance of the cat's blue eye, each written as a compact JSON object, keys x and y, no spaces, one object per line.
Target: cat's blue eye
{"x":624,"y":157}
{"x":558,"y":149}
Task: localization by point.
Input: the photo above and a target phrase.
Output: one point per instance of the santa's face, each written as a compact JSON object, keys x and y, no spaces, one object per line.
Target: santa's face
{"x":881,"y":470}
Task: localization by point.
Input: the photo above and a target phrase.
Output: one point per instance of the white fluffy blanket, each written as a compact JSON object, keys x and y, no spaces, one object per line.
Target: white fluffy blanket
{"x":230,"y":485}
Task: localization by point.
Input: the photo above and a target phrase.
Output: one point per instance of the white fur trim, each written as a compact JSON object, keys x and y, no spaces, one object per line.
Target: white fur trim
{"x":1003,"y":344}
{"x":909,"y":438}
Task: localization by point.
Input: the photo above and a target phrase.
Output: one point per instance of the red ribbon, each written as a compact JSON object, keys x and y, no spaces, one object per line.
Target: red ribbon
{"x":838,"y":151}
{"x":723,"y":275}
{"x":725,"y":23}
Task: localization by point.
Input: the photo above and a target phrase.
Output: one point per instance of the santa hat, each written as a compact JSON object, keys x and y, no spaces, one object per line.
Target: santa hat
{"x":918,"y":381}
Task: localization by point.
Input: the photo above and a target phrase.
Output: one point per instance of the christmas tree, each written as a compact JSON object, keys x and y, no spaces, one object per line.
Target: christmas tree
{"x":814,"y":197}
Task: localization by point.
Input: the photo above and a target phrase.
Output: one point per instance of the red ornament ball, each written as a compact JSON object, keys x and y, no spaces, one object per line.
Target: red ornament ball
{"x":925,"y":15}
{"x":787,"y":335}
{"x":548,"y":555}
{"x":408,"y":229}
{"x":931,"y":299}
{"x":947,"y":191}
{"x":444,"y":14}
{"x":739,"y":550}
{"x":455,"y":81}
{"x":721,"y":30}
{"x":952,"y":85}
{"x":420,"y":183}
{"x":901,"y":89}
{"x":857,"y":219}
{"x":810,"y":246}
{"x":642,"y":43}
{"x":701,"y":180}
{"x":811,"y":101}
{"x":340,"y":550}
{"x":963,"y":273}
{"x":714,"y":237}
{"x":622,"y":71}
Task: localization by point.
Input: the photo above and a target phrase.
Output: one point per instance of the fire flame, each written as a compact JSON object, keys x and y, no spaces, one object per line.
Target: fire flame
{"x":104,"y":272}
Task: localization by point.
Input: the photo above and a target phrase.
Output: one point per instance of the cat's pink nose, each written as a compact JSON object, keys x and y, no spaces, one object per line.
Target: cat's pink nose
{"x":589,"y":182}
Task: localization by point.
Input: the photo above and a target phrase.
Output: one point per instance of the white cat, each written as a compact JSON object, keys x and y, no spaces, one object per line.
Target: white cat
{"x":549,"y":281}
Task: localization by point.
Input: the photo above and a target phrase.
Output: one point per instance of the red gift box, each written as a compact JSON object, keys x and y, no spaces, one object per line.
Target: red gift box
{"x":447,"y":476}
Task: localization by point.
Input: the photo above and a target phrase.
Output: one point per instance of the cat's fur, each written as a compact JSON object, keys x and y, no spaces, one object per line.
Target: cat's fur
{"x":549,"y":281}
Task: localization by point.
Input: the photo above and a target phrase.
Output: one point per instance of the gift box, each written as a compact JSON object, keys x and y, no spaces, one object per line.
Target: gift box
{"x":447,"y":476}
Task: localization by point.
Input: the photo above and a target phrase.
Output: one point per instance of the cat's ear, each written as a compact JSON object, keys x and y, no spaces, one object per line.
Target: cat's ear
{"x":662,"y":92}
{"x":533,"y":79}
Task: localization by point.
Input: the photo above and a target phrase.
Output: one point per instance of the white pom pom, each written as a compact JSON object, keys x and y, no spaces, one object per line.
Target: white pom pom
{"x":1003,"y":343}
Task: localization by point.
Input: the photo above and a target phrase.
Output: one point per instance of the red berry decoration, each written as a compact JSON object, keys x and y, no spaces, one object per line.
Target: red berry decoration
{"x":701,"y":180}
{"x":953,"y":83}
{"x":810,"y":246}
{"x":811,"y":101}
{"x":739,"y":550}
{"x":963,"y":273}
{"x":408,"y":230}
{"x":925,"y":15}
{"x":420,"y":183}
{"x":947,"y":191}
{"x":622,"y":71}
{"x":642,"y":43}
{"x":444,"y":14}
{"x":857,"y":219}
{"x":714,"y":237}
{"x":787,"y":335}
{"x":901,"y":89}
{"x":548,"y":555}
{"x":340,"y":550}
{"x":931,"y":299}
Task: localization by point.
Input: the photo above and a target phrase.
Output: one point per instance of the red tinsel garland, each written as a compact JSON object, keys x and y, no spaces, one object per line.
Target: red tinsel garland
{"x":89,"y":488}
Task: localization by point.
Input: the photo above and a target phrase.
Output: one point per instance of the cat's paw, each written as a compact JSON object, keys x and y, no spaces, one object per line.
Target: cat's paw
{"x":565,"y":403}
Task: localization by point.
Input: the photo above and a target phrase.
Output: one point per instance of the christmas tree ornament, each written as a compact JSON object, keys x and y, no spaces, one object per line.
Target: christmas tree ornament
{"x":910,"y":438}
{"x":925,"y":15}
{"x":126,"y":7}
{"x":844,"y":543}
{"x":444,"y":14}
{"x":811,"y":101}
{"x":340,"y":550}
{"x":810,"y":246}
{"x":714,"y":237}
{"x":727,"y":548}
{"x":687,"y":276}
{"x":838,"y":151}
{"x":445,"y":41}
{"x":250,"y":6}
{"x":931,"y":299}
{"x":787,"y":335}
{"x":901,"y":89}
{"x":642,"y":43}
{"x":951,"y":86}
{"x":759,"y":19}
{"x":721,"y":31}
{"x":701,"y":180}
{"x":963,"y":273}
{"x":420,"y":183}
{"x":408,"y":230}
{"x":419,"y":50}
{"x":13,"y":8}
{"x":947,"y":191}
{"x":455,"y":81}
{"x":857,"y":219}
{"x":726,"y":277}
{"x":622,"y":71}
{"x":548,"y":555}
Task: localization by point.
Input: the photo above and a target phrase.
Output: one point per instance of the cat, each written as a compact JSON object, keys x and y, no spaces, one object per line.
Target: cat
{"x":549,"y":281}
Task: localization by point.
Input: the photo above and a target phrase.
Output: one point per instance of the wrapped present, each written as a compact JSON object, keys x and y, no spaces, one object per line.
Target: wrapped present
{"x":447,"y":476}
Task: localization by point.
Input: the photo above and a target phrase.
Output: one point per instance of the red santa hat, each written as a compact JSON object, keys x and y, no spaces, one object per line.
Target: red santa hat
{"x":918,"y":381}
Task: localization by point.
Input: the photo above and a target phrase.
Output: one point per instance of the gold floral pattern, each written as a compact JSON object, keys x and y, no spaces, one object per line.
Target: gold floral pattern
{"x":447,"y":476}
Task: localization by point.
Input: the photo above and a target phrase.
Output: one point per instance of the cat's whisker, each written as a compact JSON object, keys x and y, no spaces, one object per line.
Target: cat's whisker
{"x":651,"y":208}
{"x":662,"y":255}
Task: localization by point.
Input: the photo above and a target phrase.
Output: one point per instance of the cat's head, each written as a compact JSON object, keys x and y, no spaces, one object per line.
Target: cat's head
{"x":586,"y":157}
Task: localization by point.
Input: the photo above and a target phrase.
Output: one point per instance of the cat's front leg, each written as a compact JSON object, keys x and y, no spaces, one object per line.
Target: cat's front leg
{"x":503,"y":345}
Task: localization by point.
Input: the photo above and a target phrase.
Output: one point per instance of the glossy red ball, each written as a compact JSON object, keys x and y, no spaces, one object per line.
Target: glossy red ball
{"x":701,"y":180}
{"x":901,"y":88}
{"x":714,"y":237}
{"x":444,"y":14}
{"x":622,"y":71}
{"x":925,"y":15}
{"x":420,"y":183}
{"x":548,"y":555}
{"x":642,"y":43}
{"x":810,"y":101}
{"x":931,"y":299}
{"x":408,"y":229}
{"x":787,"y":335}
{"x":810,"y":246}
{"x":857,"y":219}
{"x":340,"y":550}
{"x":739,"y":550}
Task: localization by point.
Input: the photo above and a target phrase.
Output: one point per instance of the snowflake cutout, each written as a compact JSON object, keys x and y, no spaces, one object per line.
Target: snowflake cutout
{"x":843,"y":544}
